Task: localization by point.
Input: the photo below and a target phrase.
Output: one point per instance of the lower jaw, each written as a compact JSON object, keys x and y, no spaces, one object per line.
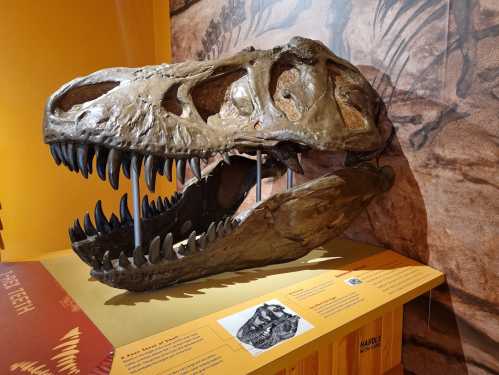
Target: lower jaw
{"x":284,"y":227}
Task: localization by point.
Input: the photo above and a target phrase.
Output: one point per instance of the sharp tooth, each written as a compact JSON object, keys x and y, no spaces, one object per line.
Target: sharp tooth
{"x":227,"y":226}
{"x":154,"y":210}
{"x":191,"y":243}
{"x":54,"y":154}
{"x":195,"y":167}
{"x":125,"y":166}
{"x":78,"y":231}
{"x":167,"y":248}
{"x":186,"y":227}
{"x":146,"y":210}
{"x":89,"y":227}
{"x":65,"y":160}
{"x":95,"y":263}
{"x":114,"y":222}
{"x":154,"y":250}
{"x":159,"y":204}
{"x":181,"y":170}
{"x":167,"y":203}
{"x":138,"y":257}
{"x":226,"y":157}
{"x":113,"y":167}
{"x":106,"y":262}
{"x":220,"y":229}
{"x":72,"y":236}
{"x":202,"y":241}
{"x":82,"y":154}
{"x":100,"y":164}
{"x":150,"y":172}
{"x":100,"y":219}
{"x":123,"y":260}
{"x":70,"y":152}
{"x":167,"y":169}
{"x":212,"y":232}
{"x":58,"y":151}
{"x":126,"y":217}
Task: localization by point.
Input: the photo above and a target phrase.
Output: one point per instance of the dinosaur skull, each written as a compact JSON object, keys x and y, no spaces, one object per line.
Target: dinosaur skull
{"x":282,"y":102}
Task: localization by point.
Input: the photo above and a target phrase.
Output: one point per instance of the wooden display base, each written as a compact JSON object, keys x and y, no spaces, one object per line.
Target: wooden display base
{"x":341,"y":313}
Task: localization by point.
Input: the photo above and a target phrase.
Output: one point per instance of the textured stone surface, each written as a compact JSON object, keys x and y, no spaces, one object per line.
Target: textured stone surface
{"x":436,"y":63}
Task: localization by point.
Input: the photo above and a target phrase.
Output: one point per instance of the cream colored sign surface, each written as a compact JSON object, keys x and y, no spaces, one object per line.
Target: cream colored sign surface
{"x":333,"y":303}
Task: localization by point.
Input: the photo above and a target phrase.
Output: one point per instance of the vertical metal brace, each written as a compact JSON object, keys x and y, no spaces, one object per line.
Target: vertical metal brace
{"x":258,"y":176}
{"x":429,"y":309}
{"x":134,"y":171}
{"x":290,"y":179}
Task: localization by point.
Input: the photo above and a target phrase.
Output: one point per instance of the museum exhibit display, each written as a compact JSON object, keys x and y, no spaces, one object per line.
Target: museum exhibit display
{"x":274,"y":104}
{"x":278,"y":187}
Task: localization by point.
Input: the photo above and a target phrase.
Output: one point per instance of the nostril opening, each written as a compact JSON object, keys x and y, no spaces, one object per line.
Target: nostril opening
{"x":170,"y":100}
{"x":83,"y":94}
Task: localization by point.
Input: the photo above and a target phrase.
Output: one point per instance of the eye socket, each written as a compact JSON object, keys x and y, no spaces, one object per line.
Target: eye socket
{"x":208,"y":95}
{"x":83,"y":94}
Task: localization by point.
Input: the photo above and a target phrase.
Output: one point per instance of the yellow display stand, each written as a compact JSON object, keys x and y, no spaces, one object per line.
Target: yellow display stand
{"x":348,"y":298}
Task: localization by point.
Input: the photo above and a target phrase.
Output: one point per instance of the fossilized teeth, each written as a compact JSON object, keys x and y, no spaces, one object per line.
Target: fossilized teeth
{"x":100,"y":219}
{"x":78,"y":231}
{"x":113,"y":167}
{"x":125,"y":167}
{"x":55,"y":154}
{"x":159,"y":204}
{"x":167,"y":169}
{"x":123,"y":260}
{"x":154,"y":250}
{"x":95,"y":263}
{"x":226,"y":158}
{"x":212,"y":232}
{"x":167,"y":248}
{"x":191,"y":243}
{"x":154,"y":210}
{"x":181,"y":170}
{"x":89,"y":227}
{"x":186,"y":227}
{"x":228,"y":225}
{"x":106,"y":262}
{"x":72,"y":157}
{"x":114,"y":222}
{"x":58,"y":151}
{"x":100,"y":164}
{"x":202,"y":241}
{"x":146,"y":210}
{"x":81,"y":156}
{"x":220,"y":229}
{"x":167,"y":203}
{"x":139,"y":258}
{"x":64,"y":152}
{"x":126,"y":217}
{"x":150,"y":172}
{"x":195,"y":167}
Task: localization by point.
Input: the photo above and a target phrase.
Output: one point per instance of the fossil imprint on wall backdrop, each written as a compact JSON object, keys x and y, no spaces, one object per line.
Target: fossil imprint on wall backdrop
{"x":251,"y":115}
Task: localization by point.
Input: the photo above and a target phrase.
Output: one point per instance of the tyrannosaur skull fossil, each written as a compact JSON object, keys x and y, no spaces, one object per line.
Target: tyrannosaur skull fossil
{"x":292,"y":99}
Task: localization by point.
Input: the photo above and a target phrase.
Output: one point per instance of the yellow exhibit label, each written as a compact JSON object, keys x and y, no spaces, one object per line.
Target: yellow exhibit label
{"x":245,"y":337}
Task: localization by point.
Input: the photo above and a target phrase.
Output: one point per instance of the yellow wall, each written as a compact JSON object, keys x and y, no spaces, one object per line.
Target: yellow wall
{"x":44,"y":44}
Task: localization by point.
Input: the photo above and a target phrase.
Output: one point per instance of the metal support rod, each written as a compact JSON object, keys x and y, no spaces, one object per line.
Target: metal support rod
{"x":429,"y":310}
{"x":134,"y":174}
{"x":290,"y":179}
{"x":258,"y":176}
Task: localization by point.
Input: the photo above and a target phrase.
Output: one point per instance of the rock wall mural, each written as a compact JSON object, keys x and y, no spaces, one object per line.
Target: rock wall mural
{"x":436,"y":63}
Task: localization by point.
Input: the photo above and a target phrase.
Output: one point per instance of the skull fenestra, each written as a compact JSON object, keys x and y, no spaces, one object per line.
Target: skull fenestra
{"x":284,"y":102}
